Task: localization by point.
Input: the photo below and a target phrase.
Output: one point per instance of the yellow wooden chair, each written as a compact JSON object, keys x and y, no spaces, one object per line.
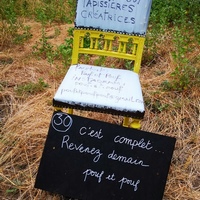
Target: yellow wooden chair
{"x":104,"y":89}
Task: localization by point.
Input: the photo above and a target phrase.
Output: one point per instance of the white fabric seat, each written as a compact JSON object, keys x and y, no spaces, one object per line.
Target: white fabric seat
{"x":103,"y":89}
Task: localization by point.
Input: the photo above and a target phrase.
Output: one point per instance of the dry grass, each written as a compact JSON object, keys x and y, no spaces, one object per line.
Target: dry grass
{"x":24,"y":123}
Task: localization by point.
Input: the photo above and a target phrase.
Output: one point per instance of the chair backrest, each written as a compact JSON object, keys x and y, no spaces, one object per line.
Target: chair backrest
{"x":113,"y":28}
{"x":127,"y":16}
{"x":122,"y":46}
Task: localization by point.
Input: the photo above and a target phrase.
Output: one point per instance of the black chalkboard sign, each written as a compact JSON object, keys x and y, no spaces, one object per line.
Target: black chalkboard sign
{"x":88,"y":159}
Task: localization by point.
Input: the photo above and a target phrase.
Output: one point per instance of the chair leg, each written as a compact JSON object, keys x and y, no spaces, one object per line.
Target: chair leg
{"x":126,"y":122}
{"x":70,"y":111}
{"x":57,"y":108}
{"x":135,"y":124}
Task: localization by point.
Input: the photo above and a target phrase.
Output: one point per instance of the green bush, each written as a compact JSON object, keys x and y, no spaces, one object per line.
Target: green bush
{"x":31,"y":88}
{"x":182,"y":21}
{"x":172,"y":12}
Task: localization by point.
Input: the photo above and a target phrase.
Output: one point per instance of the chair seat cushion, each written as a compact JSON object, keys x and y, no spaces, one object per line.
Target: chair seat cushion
{"x":103,"y":89}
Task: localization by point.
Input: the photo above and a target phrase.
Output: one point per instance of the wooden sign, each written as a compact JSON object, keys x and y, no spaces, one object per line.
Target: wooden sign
{"x":88,"y":159}
{"x":130,"y":16}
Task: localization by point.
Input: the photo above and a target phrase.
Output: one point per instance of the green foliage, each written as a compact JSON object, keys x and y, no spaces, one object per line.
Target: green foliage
{"x":8,"y":12}
{"x":156,"y":105}
{"x":48,"y":11}
{"x":15,"y":188}
{"x":12,"y":29}
{"x":172,"y":12}
{"x":41,"y":15}
{"x":183,"y":78}
{"x":129,"y":64}
{"x":3,"y":85}
{"x":65,"y":50}
{"x":100,"y":61}
{"x":31,"y":88}
{"x":44,"y":49}
{"x":8,"y":20}
{"x":12,"y":191}
{"x":185,"y":75}
{"x":86,"y":41}
{"x":21,"y":38}
{"x":167,"y":15}
{"x":72,"y":12}
{"x":43,"y":10}
{"x":182,"y":19}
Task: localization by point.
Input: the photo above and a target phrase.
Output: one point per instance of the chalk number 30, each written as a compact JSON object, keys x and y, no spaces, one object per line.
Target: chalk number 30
{"x":61,"y":122}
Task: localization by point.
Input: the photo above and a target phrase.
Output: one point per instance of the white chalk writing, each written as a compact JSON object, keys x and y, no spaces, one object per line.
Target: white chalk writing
{"x":126,"y":160}
{"x":134,"y":143}
{"x":91,"y":132}
{"x":90,"y":172}
{"x":61,"y":122}
{"x":99,"y":175}
{"x":111,"y":177}
{"x":80,"y":148}
{"x":130,"y":182}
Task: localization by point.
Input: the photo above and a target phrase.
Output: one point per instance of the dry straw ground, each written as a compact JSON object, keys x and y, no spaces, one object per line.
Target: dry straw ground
{"x":25,"y":120}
